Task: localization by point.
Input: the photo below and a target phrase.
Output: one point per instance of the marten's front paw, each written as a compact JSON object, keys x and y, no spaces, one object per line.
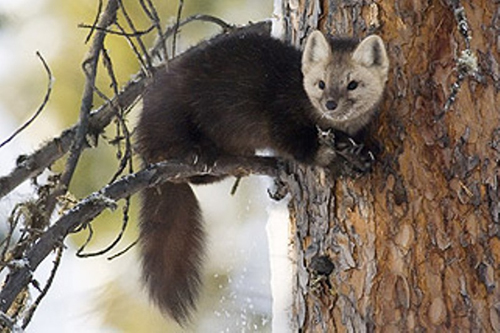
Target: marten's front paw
{"x":343,"y":154}
{"x":358,"y":157}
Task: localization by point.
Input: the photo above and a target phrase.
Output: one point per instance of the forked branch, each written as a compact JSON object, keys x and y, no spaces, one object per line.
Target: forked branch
{"x":90,"y":207}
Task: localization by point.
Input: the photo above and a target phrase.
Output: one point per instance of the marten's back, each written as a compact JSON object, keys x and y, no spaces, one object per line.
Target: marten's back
{"x":227,"y":92}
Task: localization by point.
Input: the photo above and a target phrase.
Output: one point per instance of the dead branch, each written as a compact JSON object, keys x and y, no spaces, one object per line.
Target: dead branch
{"x":89,"y":208}
{"x":48,"y":284}
{"x":29,"y":166}
{"x":160,"y":43}
{"x":94,"y":25}
{"x":90,"y":69}
{"x":136,"y":33}
{"x":176,"y":26}
{"x":138,"y":37}
{"x":151,"y":12}
{"x":81,"y":254}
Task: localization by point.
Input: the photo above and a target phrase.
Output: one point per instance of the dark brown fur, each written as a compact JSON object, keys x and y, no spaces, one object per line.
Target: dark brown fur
{"x":172,"y":244}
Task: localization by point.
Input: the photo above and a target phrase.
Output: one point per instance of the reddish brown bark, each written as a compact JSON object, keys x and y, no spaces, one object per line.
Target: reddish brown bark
{"x":415,"y":244}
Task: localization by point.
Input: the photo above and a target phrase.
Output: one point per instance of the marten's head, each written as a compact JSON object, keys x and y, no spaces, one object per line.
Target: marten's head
{"x":344,"y":79}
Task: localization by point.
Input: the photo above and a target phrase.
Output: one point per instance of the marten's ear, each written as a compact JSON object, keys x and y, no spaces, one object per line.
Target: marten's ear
{"x":316,"y":52}
{"x":371,"y":53}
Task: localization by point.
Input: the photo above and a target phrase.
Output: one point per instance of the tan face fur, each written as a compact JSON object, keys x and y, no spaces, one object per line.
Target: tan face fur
{"x":345,"y":87}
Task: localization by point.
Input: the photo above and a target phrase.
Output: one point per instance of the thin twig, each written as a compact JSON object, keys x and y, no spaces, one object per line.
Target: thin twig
{"x":131,"y":24}
{"x":93,"y":27}
{"x":79,"y":141}
{"x":235,"y":186}
{"x":125,"y":250}
{"x":34,"y":306}
{"x":40,"y":108}
{"x":88,"y":240}
{"x":153,"y":15}
{"x":176,"y":26}
{"x":114,"y":242}
{"x":125,"y":159}
{"x":203,"y":18}
{"x":118,"y":33}
{"x":108,"y":64}
{"x":138,"y":54}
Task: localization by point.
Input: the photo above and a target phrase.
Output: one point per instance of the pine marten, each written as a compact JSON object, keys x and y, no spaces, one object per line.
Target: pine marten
{"x":242,"y":92}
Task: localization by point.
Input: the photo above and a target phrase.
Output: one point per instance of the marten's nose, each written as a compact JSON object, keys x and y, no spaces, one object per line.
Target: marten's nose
{"x":331,"y":105}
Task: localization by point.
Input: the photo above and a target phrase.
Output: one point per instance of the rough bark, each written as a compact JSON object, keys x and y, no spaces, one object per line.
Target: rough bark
{"x":415,"y":244}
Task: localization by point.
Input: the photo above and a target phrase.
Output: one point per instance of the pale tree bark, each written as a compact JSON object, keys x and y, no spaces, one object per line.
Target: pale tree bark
{"x":415,"y":244}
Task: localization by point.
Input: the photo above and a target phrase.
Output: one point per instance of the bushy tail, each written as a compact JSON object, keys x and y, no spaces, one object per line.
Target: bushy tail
{"x":172,"y":246}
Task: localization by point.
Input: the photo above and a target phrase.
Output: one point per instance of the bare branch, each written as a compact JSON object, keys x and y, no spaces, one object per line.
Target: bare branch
{"x":151,"y":12}
{"x":160,"y":43}
{"x":134,"y":48}
{"x":115,"y":242}
{"x":31,"y":165}
{"x":40,"y":108}
{"x":82,"y":130}
{"x":94,"y":25}
{"x":125,"y":250}
{"x":94,"y":204}
{"x":122,"y":131}
{"x":90,"y":69}
{"x":48,"y":284}
{"x":176,"y":26}
{"x":131,"y":24}
{"x":136,"y":33}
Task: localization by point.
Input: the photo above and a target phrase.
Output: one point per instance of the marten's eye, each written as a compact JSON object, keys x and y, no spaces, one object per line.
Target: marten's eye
{"x":321,"y":84}
{"x":352,"y":85}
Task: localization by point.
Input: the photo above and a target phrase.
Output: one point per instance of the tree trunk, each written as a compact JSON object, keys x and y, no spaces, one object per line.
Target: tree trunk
{"x":415,"y":245}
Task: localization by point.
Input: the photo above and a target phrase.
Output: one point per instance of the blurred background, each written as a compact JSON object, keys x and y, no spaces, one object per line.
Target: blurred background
{"x":96,"y":294}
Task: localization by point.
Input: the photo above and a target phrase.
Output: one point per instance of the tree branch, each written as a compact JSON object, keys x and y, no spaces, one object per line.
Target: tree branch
{"x":90,"y":207}
{"x":90,"y":70}
{"x":29,"y":166}
{"x":32,"y":165}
